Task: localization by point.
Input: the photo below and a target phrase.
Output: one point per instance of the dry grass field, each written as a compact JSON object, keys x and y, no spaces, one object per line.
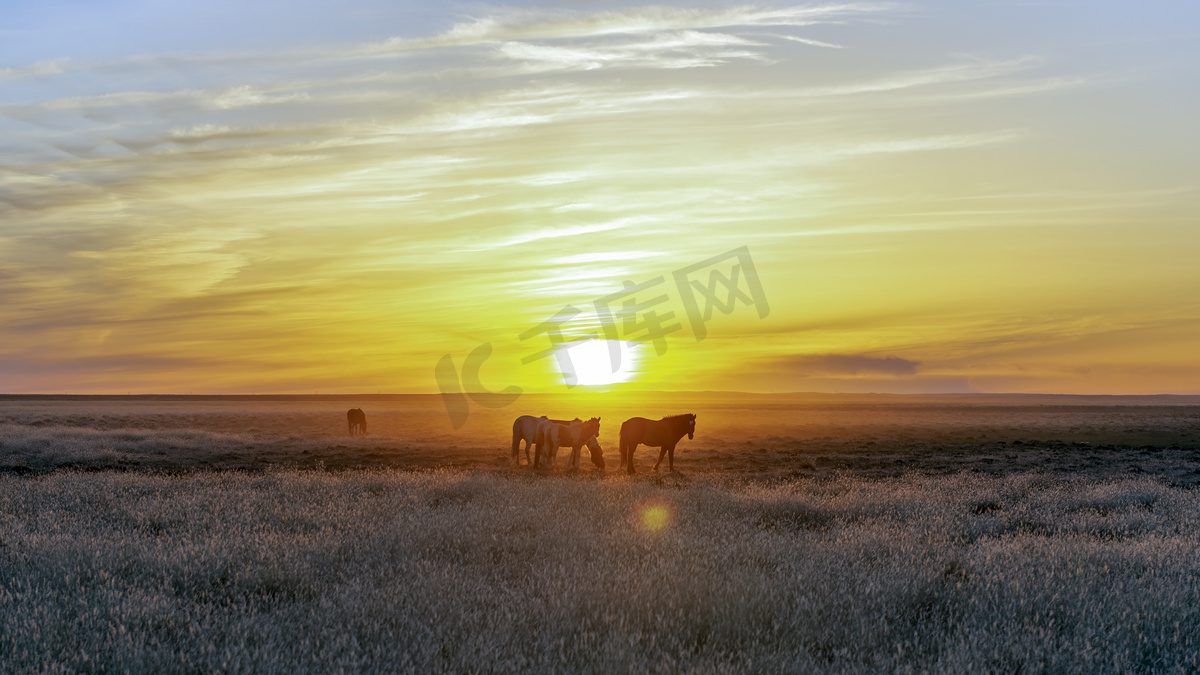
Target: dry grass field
{"x":827,"y":535}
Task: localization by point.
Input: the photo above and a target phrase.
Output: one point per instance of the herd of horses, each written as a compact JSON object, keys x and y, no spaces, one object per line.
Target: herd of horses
{"x":548,"y":436}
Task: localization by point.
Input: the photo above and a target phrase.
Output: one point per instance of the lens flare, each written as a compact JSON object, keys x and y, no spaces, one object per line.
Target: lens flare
{"x":655,"y":516}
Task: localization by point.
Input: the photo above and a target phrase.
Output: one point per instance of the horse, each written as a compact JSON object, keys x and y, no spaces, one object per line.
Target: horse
{"x":356,"y":420}
{"x":575,"y":434}
{"x":664,"y":433}
{"x":593,"y":445}
{"x":597,"y":452}
{"x":527,"y":428}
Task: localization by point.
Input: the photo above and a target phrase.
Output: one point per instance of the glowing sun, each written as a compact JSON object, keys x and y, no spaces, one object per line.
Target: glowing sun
{"x":592,"y":362}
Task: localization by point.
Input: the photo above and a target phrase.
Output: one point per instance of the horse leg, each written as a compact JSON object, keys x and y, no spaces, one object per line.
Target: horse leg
{"x":629,"y":458}
{"x":661,"y":453}
{"x":671,"y":459}
{"x":516,"y":447}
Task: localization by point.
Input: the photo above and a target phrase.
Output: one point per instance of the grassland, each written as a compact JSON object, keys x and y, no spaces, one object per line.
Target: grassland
{"x":473,"y":572}
{"x":800,"y":535}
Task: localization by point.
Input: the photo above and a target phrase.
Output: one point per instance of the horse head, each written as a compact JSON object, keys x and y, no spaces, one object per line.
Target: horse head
{"x":591,"y":428}
{"x":593,"y":446}
{"x":691,"y":424}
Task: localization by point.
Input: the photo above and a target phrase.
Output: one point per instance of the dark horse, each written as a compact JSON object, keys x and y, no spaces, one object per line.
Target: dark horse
{"x":664,"y":433}
{"x":573,"y":434}
{"x":356,"y":419}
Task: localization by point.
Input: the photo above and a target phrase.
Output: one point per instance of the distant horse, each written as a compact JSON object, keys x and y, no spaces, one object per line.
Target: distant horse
{"x":664,"y":433}
{"x":575,"y":434}
{"x":527,"y":428}
{"x":356,"y":420}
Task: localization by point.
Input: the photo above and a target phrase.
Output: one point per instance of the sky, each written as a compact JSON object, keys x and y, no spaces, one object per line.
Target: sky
{"x":899,"y":197}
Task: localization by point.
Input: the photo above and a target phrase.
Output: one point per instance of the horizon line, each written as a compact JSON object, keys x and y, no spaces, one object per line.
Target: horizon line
{"x":14,"y":395}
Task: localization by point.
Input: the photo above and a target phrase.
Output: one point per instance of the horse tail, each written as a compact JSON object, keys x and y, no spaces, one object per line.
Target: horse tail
{"x":538,"y":436}
{"x":516,"y":445}
{"x":627,"y":444}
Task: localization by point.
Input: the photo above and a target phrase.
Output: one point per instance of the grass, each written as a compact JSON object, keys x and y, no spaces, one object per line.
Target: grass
{"x":490,"y":572}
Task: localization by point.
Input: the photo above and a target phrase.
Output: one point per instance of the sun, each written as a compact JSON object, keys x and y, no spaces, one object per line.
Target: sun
{"x":592,"y":362}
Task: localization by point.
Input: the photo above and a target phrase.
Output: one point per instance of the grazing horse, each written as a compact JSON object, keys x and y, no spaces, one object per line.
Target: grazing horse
{"x":593,"y":445}
{"x":527,"y":428}
{"x":664,"y":433}
{"x":597,"y":452}
{"x":356,"y":419}
{"x":575,"y":434}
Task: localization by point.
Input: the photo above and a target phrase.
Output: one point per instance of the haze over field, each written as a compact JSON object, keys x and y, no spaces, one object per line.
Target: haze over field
{"x":937,"y":196}
{"x":739,"y":438}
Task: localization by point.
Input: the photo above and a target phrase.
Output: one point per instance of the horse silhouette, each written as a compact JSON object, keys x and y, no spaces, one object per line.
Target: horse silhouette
{"x":527,"y":428}
{"x":575,"y":434}
{"x":592,"y":443}
{"x":664,"y":433}
{"x":356,"y":420}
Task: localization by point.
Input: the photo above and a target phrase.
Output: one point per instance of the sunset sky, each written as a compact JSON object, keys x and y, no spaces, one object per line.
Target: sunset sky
{"x":289,"y":197}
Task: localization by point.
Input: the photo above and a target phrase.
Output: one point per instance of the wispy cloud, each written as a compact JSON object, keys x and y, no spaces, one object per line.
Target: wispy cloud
{"x":849,"y":364}
{"x":809,"y":41}
{"x":559,"y":233}
{"x":38,"y":69}
{"x":426,"y":188}
{"x":683,"y":49}
{"x":534,"y":24}
{"x":926,"y":77}
{"x":606,"y":256}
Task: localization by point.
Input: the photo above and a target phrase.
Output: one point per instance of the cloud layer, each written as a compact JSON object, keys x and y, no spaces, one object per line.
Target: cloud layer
{"x":339,"y":215}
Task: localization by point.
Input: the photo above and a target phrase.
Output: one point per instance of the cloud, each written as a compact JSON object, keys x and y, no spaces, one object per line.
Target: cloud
{"x":949,"y":74}
{"x":605,"y":256}
{"x":945,"y":142}
{"x":534,"y":24}
{"x":34,"y":70}
{"x":558,"y":233}
{"x":227,"y":98}
{"x":849,"y":364}
{"x":682,"y":49}
{"x":814,"y":43}
{"x":516,"y":161}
